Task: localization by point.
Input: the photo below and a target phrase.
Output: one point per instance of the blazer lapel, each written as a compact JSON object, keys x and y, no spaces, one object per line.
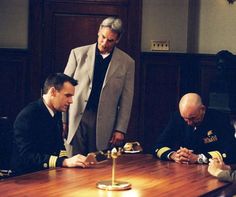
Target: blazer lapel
{"x":90,"y":59}
{"x":113,"y":66}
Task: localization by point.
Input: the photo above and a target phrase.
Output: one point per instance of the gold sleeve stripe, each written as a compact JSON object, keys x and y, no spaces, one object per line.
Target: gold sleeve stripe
{"x":52,"y":161}
{"x":63,"y":153}
{"x":162,"y":150}
{"x":215,"y":154}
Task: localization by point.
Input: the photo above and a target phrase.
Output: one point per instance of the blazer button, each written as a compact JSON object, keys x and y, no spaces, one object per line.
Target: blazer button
{"x":81,"y":113}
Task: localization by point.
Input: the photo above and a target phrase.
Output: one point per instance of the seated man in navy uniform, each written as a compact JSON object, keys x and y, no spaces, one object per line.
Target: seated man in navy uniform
{"x":196,"y":134}
{"x":38,"y":142}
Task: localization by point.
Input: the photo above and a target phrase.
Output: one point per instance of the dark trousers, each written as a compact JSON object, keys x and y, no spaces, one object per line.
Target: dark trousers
{"x":84,"y":140}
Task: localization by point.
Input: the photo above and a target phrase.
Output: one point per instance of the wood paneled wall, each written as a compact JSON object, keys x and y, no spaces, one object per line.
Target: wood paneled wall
{"x":163,"y":79}
{"x":14,"y":81}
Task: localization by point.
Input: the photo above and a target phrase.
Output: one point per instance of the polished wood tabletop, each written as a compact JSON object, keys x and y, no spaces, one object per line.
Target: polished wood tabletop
{"x":148,"y":176}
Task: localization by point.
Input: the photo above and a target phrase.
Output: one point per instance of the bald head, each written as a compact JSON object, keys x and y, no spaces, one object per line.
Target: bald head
{"x":190,"y":101}
{"x":191,"y":108}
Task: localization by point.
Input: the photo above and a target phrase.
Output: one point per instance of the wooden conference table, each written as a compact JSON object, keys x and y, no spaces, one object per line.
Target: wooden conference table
{"x":148,"y":176}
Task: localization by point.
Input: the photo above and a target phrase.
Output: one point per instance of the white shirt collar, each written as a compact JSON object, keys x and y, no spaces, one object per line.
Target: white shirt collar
{"x":105,"y":55}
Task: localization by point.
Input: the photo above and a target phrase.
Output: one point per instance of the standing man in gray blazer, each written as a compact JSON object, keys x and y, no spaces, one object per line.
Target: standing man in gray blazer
{"x":99,"y":116}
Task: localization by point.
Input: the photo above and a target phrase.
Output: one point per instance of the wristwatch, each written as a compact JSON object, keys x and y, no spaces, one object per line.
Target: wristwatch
{"x":202,"y":159}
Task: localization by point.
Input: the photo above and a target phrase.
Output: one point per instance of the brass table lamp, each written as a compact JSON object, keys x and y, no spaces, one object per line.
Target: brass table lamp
{"x":113,"y":184}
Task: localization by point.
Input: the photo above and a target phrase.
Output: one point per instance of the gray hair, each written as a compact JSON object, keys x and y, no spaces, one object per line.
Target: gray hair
{"x":115,"y":24}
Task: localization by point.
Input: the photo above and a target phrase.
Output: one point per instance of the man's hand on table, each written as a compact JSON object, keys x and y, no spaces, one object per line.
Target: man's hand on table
{"x":76,"y":161}
{"x":184,"y":155}
{"x":216,"y":166}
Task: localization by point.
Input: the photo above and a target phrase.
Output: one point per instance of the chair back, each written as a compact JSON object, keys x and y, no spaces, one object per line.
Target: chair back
{"x":6,"y":141}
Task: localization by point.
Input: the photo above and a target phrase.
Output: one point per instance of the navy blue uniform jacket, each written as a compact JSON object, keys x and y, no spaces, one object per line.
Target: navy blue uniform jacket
{"x":214,"y":137}
{"x":38,"y":142}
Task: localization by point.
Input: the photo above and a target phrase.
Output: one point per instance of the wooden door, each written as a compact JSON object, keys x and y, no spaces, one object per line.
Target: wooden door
{"x":69,"y":25}
{"x":57,"y":26}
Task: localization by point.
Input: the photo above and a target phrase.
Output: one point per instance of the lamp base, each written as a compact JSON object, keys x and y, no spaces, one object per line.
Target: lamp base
{"x":117,"y":186}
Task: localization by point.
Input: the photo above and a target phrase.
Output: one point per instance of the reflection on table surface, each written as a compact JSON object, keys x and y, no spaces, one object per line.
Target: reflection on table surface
{"x":148,"y":176}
